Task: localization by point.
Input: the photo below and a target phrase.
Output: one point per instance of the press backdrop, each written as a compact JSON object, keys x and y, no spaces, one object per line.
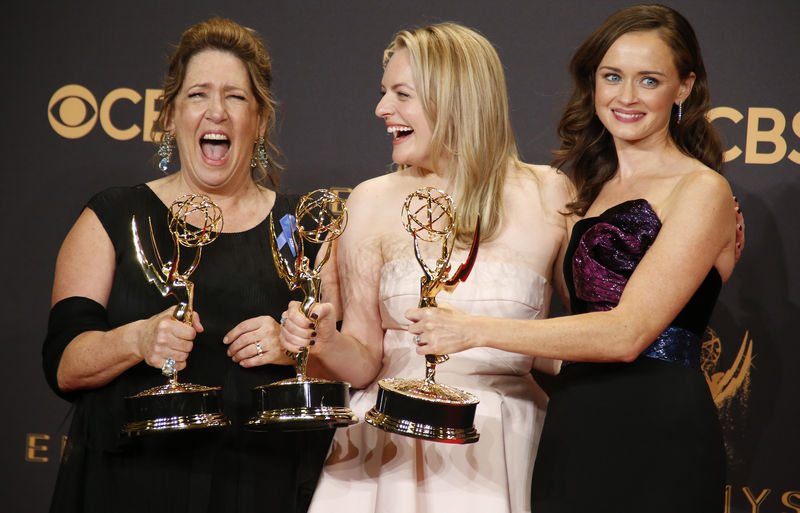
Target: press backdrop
{"x":79,"y":83}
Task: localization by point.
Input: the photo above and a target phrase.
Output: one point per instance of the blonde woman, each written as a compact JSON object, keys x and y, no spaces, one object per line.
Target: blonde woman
{"x":445,"y":107}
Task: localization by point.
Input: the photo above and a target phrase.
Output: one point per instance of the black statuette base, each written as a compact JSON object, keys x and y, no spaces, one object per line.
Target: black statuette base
{"x":301,"y":405}
{"x":165,"y":409}
{"x":421,"y":415}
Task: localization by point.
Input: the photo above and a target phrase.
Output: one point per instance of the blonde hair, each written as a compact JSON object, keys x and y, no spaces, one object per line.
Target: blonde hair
{"x":461,"y":84}
{"x":244,"y":43}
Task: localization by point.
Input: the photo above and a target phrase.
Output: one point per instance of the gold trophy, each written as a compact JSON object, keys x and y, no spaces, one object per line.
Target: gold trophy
{"x":177,"y":406}
{"x":303,"y":403}
{"x":422,"y":408}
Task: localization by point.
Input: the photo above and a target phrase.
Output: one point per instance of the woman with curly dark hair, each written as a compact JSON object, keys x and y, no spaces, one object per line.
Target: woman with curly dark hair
{"x":633,"y":426}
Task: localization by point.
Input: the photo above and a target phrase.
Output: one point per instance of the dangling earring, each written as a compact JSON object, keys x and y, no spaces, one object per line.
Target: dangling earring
{"x":165,"y":151}
{"x":680,"y":111}
{"x":260,"y":154}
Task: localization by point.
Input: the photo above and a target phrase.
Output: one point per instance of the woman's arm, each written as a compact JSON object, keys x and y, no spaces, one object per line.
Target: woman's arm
{"x":557,"y":195}
{"x":353,"y":354}
{"x":85,"y":268}
{"x":697,"y":233}
{"x":557,"y":192}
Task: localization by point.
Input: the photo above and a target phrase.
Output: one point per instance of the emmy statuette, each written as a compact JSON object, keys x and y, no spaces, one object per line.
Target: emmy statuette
{"x":422,"y":408}
{"x":178,"y":406}
{"x":304,"y":403}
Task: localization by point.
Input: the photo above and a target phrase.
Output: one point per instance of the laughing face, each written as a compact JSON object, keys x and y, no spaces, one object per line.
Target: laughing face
{"x":216,"y":120}
{"x":636,"y":85}
{"x":401,"y":108}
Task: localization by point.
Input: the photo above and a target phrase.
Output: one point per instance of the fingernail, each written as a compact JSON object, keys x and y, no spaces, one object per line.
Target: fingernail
{"x":311,"y":325}
{"x":314,"y":316}
{"x":738,"y":210}
{"x":225,"y":340}
{"x":312,"y":343}
{"x":313,"y":333}
{"x":738,"y":245}
{"x":734,"y":198}
{"x":740,"y":227}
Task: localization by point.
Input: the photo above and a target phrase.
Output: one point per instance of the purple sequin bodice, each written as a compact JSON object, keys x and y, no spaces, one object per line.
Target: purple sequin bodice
{"x":603,"y":253}
{"x":610,"y":250}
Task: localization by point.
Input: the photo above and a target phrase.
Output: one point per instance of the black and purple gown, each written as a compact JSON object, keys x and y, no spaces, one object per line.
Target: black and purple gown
{"x":641,"y":436}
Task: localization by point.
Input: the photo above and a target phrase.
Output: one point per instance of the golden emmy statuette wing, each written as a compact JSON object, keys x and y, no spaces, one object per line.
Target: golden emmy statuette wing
{"x":177,"y":406}
{"x":304,"y":403}
{"x":422,"y":408}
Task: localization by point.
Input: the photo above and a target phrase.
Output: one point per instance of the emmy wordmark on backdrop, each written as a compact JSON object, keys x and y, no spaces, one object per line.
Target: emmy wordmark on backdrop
{"x":194,"y":221}
{"x":422,"y":408}
{"x":304,"y":403}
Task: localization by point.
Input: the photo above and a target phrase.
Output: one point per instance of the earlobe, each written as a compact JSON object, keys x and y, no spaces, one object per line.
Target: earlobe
{"x":168,"y":125}
{"x":686,"y":88}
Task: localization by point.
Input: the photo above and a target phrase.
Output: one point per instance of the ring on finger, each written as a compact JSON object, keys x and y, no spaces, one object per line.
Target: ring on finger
{"x":258,"y":348}
{"x":417,"y":340}
{"x":168,"y":369}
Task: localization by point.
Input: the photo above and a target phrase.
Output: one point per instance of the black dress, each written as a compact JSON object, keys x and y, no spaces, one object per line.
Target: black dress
{"x":219,"y":470}
{"x":630,"y":437}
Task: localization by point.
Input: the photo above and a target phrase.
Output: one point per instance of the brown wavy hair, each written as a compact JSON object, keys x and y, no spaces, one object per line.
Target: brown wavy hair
{"x":227,"y":36}
{"x":587,"y":151}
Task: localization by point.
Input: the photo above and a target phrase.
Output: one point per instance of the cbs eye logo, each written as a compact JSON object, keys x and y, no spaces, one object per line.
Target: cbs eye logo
{"x":74,"y":119}
{"x":73,"y":112}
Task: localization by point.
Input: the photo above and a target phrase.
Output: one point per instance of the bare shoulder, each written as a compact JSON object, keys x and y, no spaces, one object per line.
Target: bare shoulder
{"x":553,"y":186}
{"x":703,"y":184}
{"x":699,"y":212}
{"x":373,"y":191}
{"x":700,"y":192}
{"x":367,"y":205}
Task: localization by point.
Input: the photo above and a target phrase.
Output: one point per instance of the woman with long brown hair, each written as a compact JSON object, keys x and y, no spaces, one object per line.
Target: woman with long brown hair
{"x":632,"y":426}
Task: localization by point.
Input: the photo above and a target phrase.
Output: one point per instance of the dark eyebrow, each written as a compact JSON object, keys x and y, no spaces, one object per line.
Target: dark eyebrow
{"x":617,"y":70}
{"x":652,"y":73}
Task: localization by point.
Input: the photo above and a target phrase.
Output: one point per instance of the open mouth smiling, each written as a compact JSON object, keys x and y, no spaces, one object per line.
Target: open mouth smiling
{"x":399,"y":132}
{"x":628,"y":116}
{"x":215,"y":146}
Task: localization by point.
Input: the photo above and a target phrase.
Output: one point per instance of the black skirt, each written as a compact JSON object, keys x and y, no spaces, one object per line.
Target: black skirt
{"x":639,"y":437}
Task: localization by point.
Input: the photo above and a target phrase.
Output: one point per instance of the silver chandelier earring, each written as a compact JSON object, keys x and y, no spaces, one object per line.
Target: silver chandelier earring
{"x":165,"y":151}
{"x":260,"y":154}
{"x":680,"y":111}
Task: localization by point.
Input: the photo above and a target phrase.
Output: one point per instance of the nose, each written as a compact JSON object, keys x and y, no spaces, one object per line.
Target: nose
{"x":216,"y":109}
{"x":628,"y":94}
{"x":384,"y":107}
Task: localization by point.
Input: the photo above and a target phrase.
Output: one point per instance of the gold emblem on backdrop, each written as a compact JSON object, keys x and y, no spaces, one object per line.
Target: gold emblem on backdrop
{"x":729,"y":384}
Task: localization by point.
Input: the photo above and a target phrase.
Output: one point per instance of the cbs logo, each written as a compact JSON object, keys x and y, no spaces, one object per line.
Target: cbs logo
{"x":73,"y":112}
{"x":760,"y":137}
